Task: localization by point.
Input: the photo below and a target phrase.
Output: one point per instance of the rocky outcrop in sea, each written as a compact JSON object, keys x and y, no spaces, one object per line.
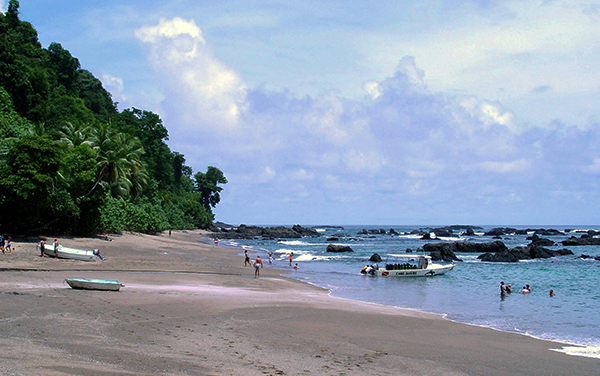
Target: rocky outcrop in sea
{"x":338,"y":248}
{"x":529,"y":252}
{"x":446,"y":251}
{"x":584,"y":240}
{"x":253,"y":232}
{"x":495,"y":251}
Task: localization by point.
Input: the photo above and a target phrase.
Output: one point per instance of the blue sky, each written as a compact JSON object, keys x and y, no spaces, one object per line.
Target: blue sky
{"x":361,"y":112}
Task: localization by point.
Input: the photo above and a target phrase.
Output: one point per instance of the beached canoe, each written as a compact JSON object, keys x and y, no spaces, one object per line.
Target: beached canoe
{"x":94,"y":284}
{"x":69,"y":253}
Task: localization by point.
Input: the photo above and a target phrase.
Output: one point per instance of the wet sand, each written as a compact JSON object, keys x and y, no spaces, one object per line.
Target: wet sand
{"x":191,"y":308}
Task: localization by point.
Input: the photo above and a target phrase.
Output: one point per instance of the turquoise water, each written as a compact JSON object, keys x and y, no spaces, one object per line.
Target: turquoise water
{"x":469,"y":293}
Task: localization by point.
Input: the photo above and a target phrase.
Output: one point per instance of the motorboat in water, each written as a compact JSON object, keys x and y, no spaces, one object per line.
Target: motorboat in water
{"x":94,"y":284}
{"x":399,"y":265}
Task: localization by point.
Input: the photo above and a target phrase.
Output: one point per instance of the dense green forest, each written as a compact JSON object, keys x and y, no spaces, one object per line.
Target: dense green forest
{"x":70,"y":162}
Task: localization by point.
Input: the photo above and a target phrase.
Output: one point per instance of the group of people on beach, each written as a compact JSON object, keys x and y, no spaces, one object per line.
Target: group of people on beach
{"x":258,"y":264}
{"x":43,"y":248}
{"x":5,"y":244}
{"x":504,"y":290}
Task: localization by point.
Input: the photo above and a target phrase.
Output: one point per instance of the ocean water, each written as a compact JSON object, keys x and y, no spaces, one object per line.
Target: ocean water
{"x":470,"y":293}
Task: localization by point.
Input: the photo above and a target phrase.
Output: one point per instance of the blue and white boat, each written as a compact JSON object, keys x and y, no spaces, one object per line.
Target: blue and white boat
{"x":69,"y":253}
{"x":399,"y":265}
{"x":94,"y":284}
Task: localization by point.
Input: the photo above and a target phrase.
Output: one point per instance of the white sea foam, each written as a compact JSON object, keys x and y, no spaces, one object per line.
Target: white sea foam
{"x":311,"y":257}
{"x":286,"y":251}
{"x":410,"y":236}
{"x":587,"y":351}
{"x":292,"y":242}
{"x":450,"y":239}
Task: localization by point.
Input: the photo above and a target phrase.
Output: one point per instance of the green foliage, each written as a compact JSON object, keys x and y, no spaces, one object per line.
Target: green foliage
{"x":157,"y":157}
{"x":95,"y":97}
{"x":207,"y":186}
{"x":71,"y":162}
{"x":28,"y":186}
{"x":12,"y":126}
{"x":118,"y":215}
{"x":64,"y":66}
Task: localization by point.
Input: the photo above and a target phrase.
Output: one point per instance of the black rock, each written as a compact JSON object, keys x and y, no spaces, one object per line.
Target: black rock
{"x":542,"y":242}
{"x":523,"y":253}
{"x":252,"y":232}
{"x":375,"y":258}
{"x":338,"y":248}
{"x":584,"y":240}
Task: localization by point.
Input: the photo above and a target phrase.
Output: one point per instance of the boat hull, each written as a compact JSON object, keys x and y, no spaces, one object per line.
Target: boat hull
{"x":93,"y":284}
{"x":69,"y":253}
{"x":438,"y":270}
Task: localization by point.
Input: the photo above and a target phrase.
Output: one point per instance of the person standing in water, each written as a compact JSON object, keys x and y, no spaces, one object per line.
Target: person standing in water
{"x":291,"y":257}
{"x":502,"y":289}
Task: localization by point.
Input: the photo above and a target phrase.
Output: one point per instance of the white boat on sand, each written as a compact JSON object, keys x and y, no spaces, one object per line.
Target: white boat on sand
{"x":407,"y":266}
{"x":94,"y":284}
{"x":69,"y":253}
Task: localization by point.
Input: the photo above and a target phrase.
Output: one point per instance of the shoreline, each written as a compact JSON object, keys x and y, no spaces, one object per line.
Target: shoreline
{"x":569,"y":347}
{"x":192,"y":308}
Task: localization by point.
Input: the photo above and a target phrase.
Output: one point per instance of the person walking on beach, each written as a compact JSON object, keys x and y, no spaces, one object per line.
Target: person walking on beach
{"x":257,"y":265}
{"x":502,"y":289}
{"x":247,"y":259}
{"x":291,"y":257}
{"x":8,"y":247}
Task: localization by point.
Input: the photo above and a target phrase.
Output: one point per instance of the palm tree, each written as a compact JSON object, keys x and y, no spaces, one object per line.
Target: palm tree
{"x":75,"y":135}
{"x":119,"y":162}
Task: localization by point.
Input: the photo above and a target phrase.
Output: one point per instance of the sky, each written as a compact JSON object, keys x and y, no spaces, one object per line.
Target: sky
{"x":431,"y":112}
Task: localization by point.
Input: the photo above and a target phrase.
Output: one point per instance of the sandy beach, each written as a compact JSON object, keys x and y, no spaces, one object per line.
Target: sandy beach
{"x":191,"y":308}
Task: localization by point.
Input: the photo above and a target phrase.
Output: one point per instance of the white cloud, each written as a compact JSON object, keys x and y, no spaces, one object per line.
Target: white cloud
{"x":115,"y":86}
{"x":403,"y":140}
{"x":506,"y":167}
{"x":202,"y":87}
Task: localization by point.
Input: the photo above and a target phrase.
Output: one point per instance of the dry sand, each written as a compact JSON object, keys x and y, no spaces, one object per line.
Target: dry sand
{"x":191,"y":308}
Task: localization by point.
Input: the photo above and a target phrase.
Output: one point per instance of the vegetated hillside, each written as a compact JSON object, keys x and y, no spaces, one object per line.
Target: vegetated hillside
{"x":71,"y":162}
